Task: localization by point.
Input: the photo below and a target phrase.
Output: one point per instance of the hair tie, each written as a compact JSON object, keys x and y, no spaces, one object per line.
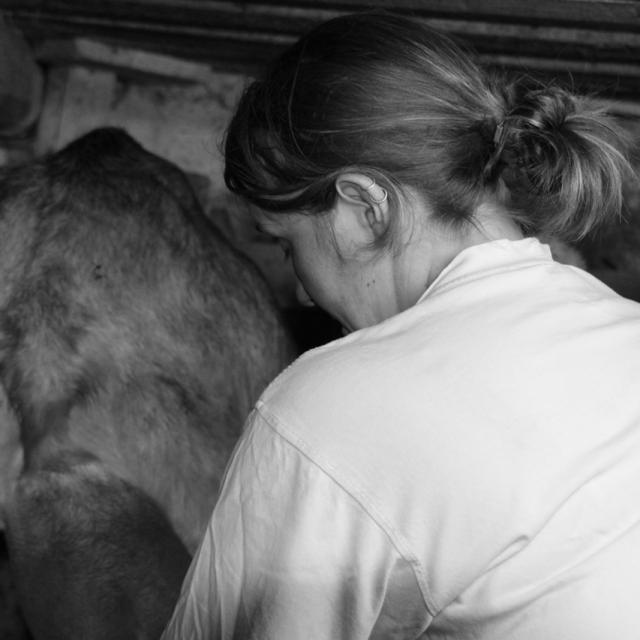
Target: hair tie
{"x":499,"y":139}
{"x":497,"y":136}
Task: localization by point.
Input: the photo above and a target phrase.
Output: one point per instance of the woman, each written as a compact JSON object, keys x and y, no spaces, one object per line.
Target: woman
{"x":466,"y":463}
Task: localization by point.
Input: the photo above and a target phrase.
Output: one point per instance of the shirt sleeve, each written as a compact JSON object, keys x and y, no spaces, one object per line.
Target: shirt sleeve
{"x":289,"y":554}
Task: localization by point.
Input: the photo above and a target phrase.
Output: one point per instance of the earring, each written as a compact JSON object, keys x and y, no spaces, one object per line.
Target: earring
{"x":379,"y":189}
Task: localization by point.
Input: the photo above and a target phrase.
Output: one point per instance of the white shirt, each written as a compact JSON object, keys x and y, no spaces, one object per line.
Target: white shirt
{"x":469,"y":468}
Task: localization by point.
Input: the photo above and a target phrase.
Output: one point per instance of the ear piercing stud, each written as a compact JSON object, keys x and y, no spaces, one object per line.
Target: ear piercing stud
{"x":378,"y":189}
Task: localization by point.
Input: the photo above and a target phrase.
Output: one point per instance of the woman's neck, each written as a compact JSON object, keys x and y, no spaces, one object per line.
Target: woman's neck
{"x":432,"y":247}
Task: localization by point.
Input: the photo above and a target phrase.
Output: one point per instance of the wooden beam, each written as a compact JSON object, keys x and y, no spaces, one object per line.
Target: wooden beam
{"x":595,"y":42}
{"x":603,"y":14}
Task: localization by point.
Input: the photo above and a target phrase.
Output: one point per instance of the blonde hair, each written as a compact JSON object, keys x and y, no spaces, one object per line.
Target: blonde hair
{"x":391,"y":97}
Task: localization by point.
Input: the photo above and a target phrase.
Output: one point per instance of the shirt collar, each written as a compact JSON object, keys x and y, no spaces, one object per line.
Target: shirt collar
{"x":490,"y":256}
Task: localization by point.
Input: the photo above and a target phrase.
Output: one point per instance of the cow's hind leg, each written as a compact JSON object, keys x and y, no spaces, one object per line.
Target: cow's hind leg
{"x":92,"y":556}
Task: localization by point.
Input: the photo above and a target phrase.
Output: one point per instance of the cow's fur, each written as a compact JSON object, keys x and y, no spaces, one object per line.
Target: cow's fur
{"x":133,"y":342}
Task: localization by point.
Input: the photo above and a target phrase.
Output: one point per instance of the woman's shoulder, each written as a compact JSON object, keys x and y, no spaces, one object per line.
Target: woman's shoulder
{"x":337,"y":383}
{"x":323,"y":370}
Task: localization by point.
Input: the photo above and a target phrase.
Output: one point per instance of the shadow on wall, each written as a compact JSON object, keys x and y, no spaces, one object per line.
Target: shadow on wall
{"x":612,"y":254}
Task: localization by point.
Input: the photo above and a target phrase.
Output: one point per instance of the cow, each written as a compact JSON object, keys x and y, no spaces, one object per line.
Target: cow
{"x":134,"y":340}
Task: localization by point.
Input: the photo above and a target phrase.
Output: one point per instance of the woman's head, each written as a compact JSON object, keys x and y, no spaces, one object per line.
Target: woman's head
{"x":373,"y":92}
{"x":389,"y":97}
{"x":379,"y":116}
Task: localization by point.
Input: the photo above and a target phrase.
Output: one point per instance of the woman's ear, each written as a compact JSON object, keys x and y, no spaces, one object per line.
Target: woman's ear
{"x":360,"y":196}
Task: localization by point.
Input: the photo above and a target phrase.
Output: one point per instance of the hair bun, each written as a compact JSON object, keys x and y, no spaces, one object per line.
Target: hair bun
{"x":562,"y":160}
{"x":544,"y":108}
